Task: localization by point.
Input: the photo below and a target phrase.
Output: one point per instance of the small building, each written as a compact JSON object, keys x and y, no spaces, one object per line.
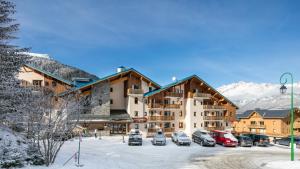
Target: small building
{"x":274,"y":123}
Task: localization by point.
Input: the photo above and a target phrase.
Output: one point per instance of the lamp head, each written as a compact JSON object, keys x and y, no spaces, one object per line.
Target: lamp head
{"x":283,"y":89}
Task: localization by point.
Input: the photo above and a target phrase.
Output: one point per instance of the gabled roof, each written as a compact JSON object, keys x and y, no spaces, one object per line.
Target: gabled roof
{"x":264,"y":113}
{"x":111,"y":76}
{"x":183,"y":80}
{"x":49,"y":74}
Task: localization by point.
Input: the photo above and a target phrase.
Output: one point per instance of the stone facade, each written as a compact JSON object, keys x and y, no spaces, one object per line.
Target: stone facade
{"x":100,"y":99}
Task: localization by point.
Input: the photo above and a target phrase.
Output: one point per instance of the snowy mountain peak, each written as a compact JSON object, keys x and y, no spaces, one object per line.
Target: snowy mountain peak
{"x":249,"y":95}
{"x":39,"y":55}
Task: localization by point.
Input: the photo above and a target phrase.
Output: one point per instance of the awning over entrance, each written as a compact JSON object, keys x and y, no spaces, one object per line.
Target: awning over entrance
{"x":120,"y":115}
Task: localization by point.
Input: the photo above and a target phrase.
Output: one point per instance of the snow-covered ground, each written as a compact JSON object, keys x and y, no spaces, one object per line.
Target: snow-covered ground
{"x":112,"y":153}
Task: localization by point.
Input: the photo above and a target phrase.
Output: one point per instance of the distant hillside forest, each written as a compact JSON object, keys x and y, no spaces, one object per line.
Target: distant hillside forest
{"x":64,"y":71}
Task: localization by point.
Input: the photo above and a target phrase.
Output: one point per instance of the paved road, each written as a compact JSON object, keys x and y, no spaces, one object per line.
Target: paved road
{"x":239,"y":160}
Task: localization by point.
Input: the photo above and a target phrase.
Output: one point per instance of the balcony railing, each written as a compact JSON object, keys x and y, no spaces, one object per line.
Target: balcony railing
{"x":166,"y":130}
{"x":173,"y":94}
{"x":165,"y":106}
{"x":213,"y":118}
{"x":214,"y":128}
{"x":213,"y":107}
{"x":161,"y":118}
{"x":202,"y":95}
{"x":135,"y":91}
{"x":256,"y":126}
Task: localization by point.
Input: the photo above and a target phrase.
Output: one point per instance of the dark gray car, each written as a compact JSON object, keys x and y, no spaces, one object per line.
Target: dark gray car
{"x":203,"y":138}
{"x":135,"y":138}
{"x":244,"y":141}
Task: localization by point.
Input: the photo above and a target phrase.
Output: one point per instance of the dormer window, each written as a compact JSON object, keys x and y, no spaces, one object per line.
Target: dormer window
{"x":54,"y":84}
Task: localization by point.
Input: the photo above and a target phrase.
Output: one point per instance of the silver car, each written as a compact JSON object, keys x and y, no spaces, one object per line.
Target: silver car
{"x":180,"y":138}
{"x":159,"y":139}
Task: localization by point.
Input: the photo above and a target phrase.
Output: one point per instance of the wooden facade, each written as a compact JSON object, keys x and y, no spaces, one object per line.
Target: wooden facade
{"x":257,"y":122}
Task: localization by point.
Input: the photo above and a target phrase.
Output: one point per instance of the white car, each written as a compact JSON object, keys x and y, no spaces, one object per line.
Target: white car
{"x":180,"y":138}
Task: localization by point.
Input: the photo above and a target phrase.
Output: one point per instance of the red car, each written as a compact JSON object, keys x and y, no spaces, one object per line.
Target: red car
{"x":224,"y":138}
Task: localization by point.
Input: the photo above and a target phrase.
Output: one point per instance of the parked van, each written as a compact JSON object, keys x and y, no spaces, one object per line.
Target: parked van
{"x":224,"y":138}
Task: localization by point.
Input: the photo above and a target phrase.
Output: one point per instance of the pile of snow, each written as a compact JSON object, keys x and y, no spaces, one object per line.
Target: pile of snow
{"x":15,"y":151}
{"x":249,"y":95}
{"x":283,"y":165}
{"x":12,"y":148}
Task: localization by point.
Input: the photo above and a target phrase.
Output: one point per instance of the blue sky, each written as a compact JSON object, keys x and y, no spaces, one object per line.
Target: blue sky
{"x":220,"y":41}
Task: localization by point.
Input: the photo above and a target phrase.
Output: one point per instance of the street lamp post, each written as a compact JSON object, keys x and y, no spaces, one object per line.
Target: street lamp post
{"x":283,"y":81}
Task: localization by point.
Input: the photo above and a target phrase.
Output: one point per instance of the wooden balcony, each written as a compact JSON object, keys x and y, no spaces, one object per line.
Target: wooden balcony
{"x":213,"y":118}
{"x":173,"y":94}
{"x":296,"y":126}
{"x":161,"y":118}
{"x":165,"y":106}
{"x":213,"y":107}
{"x":201,"y":95}
{"x":131,"y":91}
{"x":214,"y":128}
{"x":256,"y":126}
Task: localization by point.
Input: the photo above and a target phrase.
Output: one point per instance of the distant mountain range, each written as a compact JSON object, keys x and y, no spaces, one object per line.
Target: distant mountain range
{"x":66,"y":72}
{"x":249,"y":96}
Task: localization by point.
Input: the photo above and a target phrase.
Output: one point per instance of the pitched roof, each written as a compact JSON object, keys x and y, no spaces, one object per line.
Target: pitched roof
{"x":265,"y":113}
{"x":183,"y":80}
{"x":108,"y":77}
{"x":49,"y":74}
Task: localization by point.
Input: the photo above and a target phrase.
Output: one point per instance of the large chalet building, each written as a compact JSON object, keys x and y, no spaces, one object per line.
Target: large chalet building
{"x":128,"y":99}
{"x":274,"y":123}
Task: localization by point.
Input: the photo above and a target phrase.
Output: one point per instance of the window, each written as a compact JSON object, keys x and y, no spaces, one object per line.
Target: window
{"x":180,"y":102}
{"x":136,"y":113}
{"x":194,"y":113}
{"x":37,"y":83}
{"x":136,"y":126}
{"x":46,"y":83}
{"x":180,"y":124}
{"x":253,"y":122}
{"x":201,"y":113}
{"x":136,"y":100}
{"x":173,"y":102}
{"x":226,"y":124}
{"x":262,"y":123}
{"x":100,"y":102}
{"x":145,"y":126}
{"x":195,"y":102}
{"x":111,"y":89}
{"x":180,"y":114}
{"x":167,"y":125}
{"x":195,"y":125}
{"x":145,"y":113}
{"x":173,"y":125}
{"x":54,"y":84}
{"x":201,"y":124}
{"x":111,"y":101}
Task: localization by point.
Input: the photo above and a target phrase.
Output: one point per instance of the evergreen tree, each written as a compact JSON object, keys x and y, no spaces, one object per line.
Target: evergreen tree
{"x":12,"y":58}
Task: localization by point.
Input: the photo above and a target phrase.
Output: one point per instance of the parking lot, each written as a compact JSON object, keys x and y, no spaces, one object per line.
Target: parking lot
{"x":112,"y":153}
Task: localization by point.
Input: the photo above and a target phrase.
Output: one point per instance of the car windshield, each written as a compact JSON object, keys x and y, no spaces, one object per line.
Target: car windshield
{"x":159,"y":135}
{"x":229,"y":136}
{"x":246,"y":138}
{"x":264,"y":137}
{"x":182,"y":135}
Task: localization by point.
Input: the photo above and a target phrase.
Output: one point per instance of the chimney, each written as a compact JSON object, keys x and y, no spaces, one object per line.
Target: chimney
{"x":120,"y":69}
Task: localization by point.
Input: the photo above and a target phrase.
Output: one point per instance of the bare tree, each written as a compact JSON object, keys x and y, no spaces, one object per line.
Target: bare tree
{"x":51,"y":121}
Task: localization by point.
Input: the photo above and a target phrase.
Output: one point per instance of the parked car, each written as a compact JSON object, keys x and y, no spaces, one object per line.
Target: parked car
{"x":259,"y":139}
{"x":244,"y":141}
{"x":135,"y":138}
{"x":203,"y":138}
{"x":224,"y":138}
{"x":159,"y":138}
{"x":180,"y":138}
{"x":287,"y":140}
